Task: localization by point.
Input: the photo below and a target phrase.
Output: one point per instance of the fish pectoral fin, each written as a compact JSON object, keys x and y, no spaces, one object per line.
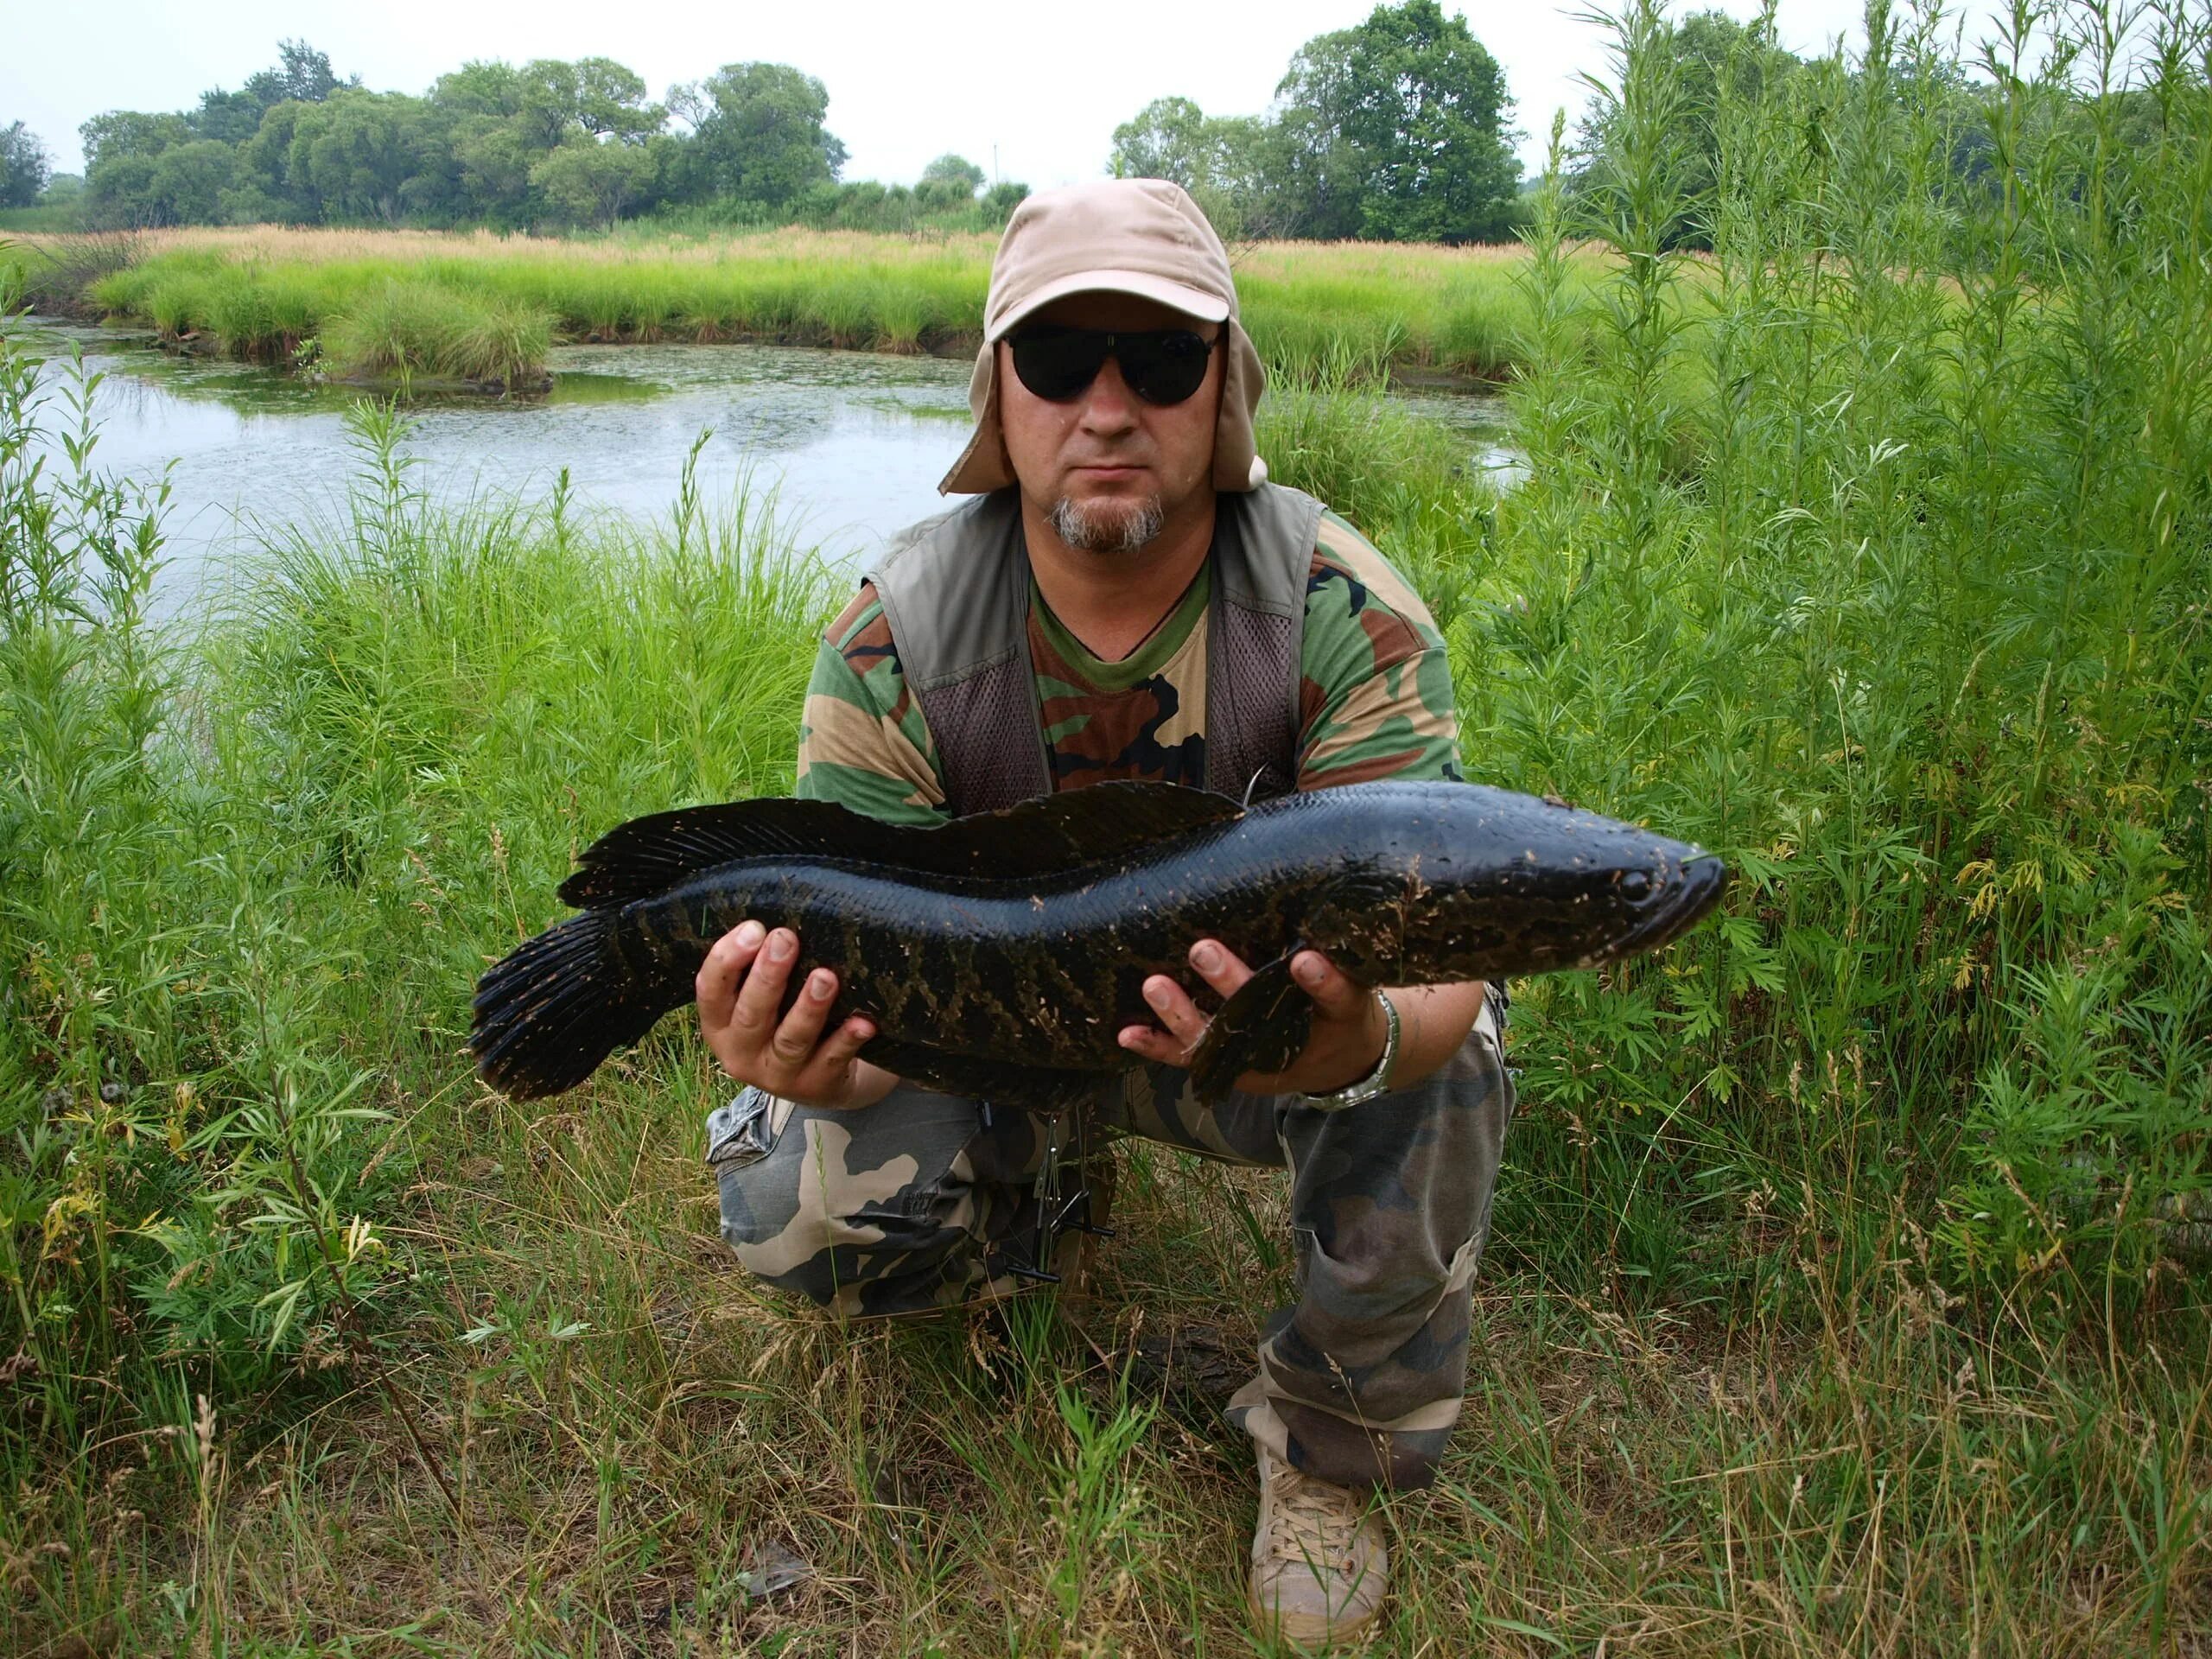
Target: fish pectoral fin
{"x":1263,"y":1027}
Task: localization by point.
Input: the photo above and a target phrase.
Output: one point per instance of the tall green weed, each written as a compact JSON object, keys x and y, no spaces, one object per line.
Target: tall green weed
{"x":1876,"y":558}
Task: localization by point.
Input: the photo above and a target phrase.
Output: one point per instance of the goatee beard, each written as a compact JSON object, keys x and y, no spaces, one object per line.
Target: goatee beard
{"x":1108,"y":526}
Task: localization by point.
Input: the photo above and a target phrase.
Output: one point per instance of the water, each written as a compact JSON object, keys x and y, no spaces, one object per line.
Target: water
{"x":852,"y":443}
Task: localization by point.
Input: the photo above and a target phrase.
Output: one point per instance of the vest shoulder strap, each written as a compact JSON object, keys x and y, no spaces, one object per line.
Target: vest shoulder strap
{"x":955,"y":594}
{"x":1262,"y":552}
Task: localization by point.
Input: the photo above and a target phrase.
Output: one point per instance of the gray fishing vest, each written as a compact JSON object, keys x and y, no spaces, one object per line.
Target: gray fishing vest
{"x":956,"y":592}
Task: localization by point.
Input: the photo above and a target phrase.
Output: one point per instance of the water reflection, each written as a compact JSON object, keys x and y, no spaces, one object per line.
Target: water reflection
{"x":852,"y":443}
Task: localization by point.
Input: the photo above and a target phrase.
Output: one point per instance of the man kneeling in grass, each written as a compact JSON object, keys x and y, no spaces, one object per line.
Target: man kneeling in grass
{"x":1127,"y":597}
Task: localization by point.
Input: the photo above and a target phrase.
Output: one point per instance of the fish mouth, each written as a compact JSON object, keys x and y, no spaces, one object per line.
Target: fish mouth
{"x":1704,"y":879}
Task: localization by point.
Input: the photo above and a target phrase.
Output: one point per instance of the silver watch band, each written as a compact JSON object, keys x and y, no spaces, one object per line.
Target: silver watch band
{"x":1375,"y":1083}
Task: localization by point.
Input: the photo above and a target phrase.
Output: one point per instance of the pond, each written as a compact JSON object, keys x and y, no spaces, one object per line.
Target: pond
{"x":851,"y":443}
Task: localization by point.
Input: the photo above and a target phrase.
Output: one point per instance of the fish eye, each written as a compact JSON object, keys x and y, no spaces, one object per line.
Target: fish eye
{"x":1636,"y":883}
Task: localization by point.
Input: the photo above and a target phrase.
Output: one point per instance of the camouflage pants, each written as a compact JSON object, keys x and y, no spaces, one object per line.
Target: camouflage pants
{"x":917,"y":1203}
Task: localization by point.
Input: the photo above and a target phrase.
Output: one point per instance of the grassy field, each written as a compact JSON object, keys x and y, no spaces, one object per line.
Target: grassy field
{"x":1847,"y":1289}
{"x":484,"y":308}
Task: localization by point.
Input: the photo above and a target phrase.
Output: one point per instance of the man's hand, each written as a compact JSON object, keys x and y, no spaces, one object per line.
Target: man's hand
{"x":1349,"y":1027}
{"x":740,"y":990}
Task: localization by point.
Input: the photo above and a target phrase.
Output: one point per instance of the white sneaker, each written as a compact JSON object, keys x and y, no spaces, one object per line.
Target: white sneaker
{"x":1319,"y":1567}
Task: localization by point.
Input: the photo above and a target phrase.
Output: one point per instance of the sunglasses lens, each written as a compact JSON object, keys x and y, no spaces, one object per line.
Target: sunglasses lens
{"x":1056,"y":364}
{"x":1165,"y":367}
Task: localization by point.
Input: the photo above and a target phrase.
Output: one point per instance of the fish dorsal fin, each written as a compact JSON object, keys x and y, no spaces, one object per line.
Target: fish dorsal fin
{"x":1049,"y":836}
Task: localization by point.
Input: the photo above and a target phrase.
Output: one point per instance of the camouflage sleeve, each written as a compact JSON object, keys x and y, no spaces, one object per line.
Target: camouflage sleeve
{"x":861,"y":739}
{"x":1375,"y":681}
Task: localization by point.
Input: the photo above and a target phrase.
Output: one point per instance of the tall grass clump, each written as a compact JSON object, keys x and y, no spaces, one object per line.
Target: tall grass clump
{"x":408,"y":330}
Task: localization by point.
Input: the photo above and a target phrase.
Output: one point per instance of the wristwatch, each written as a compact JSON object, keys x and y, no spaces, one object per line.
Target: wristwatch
{"x":1375,"y":1083}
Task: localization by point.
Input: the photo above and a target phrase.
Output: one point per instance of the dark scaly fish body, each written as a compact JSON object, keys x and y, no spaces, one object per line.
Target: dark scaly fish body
{"x":1002,"y":955}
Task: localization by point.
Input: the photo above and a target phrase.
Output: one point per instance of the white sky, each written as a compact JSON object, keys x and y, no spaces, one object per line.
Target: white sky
{"x":1046,"y":85}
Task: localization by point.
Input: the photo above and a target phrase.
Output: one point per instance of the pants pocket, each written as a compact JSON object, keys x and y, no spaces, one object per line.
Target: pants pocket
{"x":744,"y":1131}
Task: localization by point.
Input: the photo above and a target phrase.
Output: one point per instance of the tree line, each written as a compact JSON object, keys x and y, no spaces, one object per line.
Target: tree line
{"x":1394,"y":129}
{"x":547,"y":144}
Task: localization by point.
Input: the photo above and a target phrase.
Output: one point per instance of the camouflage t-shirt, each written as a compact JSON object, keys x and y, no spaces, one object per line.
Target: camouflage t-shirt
{"x":1374,"y":692}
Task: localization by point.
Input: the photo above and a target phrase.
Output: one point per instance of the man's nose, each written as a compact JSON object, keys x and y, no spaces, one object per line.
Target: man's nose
{"x":1109,"y":405}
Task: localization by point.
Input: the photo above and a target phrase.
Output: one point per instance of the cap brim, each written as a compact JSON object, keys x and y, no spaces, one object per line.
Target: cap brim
{"x":1179,"y":296}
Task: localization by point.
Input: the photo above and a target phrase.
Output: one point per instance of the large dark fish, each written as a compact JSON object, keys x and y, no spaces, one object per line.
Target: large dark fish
{"x":1001,"y":955}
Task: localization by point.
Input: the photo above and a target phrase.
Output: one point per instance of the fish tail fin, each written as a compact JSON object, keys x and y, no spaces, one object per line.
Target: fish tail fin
{"x":550,"y":1010}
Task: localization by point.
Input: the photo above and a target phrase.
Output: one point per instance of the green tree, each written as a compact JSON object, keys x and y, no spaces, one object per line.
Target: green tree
{"x":188,"y":183}
{"x":611,"y":102}
{"x":24,"y":167}
{"x":352,"y":157}
{"x":1002,"y":198}
{"x":1227,"y":162}
{"x":954,"y":172}
{"x":301,"y":75}
{"x":117,"y":133}
{"x":121,"y":148}
{"x":590,"y":181}
{"x":1169,"y":138}
{"x":1395,"y":129}
{"x":950,"y":182}
{"x":496,"y":124}
{"x":480,"y":87}
{"x":757,"y":135}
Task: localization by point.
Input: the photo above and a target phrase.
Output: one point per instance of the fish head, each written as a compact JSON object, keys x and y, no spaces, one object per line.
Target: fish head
{"x":1504,"y":883}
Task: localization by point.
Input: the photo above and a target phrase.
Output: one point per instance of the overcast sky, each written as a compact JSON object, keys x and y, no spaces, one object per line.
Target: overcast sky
{"x":907,"y":81}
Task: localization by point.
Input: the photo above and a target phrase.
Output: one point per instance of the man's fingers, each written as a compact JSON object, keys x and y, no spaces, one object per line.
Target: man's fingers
{"x":1219,"y":966}
{"x":1334,"y":993}
{"x":801,"y":1029}
{"x":760,"y":998}
{"x":1151,"y":1044}
{"x":842,"y":1046}
{"x":1174,"y":1009}
{"x":726,"y":961}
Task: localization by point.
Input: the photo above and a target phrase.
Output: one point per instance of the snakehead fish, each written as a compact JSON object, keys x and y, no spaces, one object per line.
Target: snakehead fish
{"x":1001,"y":955}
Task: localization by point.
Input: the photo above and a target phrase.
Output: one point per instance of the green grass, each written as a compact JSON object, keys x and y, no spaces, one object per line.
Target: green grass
{"x":259,"y":293}
{"x":1846,"y":1291}
{"x":55,"y":220}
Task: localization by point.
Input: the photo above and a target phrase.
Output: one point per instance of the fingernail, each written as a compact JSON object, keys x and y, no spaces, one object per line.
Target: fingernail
{"x":749,"y":934}
{"x":1309,"y":972}
{"x":1156,"y":994}
{"x":1204,"y":958}
{"x":862,"y":1030}
{"x":817,"y":987}
{"x":780,"y":946}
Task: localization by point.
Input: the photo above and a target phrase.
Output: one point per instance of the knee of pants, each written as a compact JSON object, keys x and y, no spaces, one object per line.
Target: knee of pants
{"x":816,"y":1201}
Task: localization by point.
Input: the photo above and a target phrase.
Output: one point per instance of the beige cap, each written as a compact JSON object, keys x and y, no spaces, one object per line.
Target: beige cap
{"x":1125,"y":236}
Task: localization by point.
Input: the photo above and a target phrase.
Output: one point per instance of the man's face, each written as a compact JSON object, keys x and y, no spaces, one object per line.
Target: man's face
{"x":1110,"y":469}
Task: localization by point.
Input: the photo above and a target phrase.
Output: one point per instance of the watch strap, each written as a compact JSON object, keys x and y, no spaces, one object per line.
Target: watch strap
{"x":1376,"y":1082}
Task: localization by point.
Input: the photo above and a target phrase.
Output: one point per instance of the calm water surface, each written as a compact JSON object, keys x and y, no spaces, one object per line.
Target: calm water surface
{"x":852,"y":443}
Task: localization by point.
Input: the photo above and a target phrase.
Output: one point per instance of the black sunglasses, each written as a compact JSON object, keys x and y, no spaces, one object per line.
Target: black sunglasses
{"x":1162,"y":365}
